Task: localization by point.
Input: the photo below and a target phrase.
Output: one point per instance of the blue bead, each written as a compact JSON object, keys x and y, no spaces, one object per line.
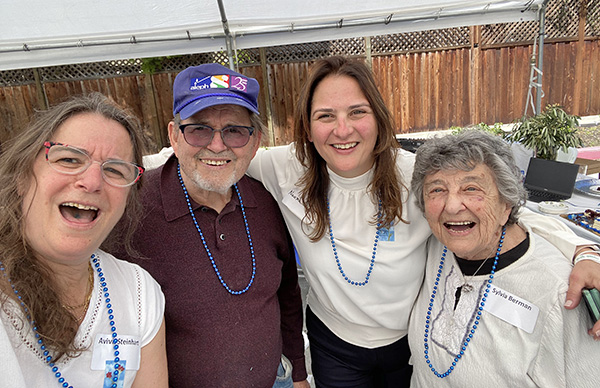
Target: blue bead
{"x":482,"y":303}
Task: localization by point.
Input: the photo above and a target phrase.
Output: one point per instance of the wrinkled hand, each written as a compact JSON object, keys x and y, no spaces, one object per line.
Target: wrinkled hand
{"x":585,"y":274}
{"x":301,"y":384}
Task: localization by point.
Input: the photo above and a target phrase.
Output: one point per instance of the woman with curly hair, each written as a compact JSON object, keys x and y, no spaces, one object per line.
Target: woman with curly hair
{"x":72,"y":315}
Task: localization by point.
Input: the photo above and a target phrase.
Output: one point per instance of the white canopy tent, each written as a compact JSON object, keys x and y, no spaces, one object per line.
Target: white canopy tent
{"x":36,"y":33}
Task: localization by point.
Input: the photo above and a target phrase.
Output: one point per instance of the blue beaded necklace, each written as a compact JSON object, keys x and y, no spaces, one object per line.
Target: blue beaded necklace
{"x":47,"y":357}
{"x":210,"y":256}
{"x":335,"y":254}
{"x":477,"y":318}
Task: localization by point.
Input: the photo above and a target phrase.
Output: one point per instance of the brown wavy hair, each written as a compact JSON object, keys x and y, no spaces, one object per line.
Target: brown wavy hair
{"x":386,"y":186}
{"x":35,"y":281}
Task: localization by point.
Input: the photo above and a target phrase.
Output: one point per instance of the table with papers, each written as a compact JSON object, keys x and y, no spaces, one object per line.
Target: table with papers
{"x":578,"y":203}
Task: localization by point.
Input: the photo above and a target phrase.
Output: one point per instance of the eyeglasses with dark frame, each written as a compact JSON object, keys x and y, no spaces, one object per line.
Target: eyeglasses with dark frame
{"x":70,"y":160}
{"x":200,"y":135}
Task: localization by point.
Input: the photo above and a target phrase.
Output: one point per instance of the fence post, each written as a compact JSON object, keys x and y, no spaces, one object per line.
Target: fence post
{"x":267,"y":93}
{"x":42,"y":100}
{"x":368,"y":54}
{"x":475,"y":81}
{"x":160,"y":134}
{"x":580,"y":53}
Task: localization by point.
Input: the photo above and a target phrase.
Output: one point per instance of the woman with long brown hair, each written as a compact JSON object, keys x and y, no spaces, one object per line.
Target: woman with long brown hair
{"x":341,"y":186}
{"x":71,"y":314}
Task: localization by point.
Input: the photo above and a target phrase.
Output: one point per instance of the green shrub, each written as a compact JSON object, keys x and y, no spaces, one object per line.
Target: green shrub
{"x":548,"y":131}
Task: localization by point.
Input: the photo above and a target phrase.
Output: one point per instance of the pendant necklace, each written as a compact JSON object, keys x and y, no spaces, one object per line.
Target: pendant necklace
{"x":210,"y":256}
{"x":335,"y":254}
{"x":47,"y":357}
{"x":466,"y":286}
{"x":481,"y":304}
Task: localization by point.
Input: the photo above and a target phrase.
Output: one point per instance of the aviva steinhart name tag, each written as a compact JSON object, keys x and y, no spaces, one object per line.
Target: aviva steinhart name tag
{"x":129,"y":350}
{"x":511,"y":308}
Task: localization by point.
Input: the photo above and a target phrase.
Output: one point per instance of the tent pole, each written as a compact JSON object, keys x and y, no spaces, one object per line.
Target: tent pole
{"x":538,"y":98}
{"x":227,"y":34}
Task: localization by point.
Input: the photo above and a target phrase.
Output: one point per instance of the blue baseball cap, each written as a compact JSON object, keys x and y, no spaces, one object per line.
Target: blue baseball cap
{"x":199,"y":87}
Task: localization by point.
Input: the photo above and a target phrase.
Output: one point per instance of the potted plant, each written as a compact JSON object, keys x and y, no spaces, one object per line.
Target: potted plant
{"x":547,"y":132}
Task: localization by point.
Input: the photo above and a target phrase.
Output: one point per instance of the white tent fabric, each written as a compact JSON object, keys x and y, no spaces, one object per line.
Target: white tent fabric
{"x":35,"y":33}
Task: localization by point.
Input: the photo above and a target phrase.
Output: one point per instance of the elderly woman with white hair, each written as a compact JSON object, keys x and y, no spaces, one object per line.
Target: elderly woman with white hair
{"x":492,"y":301}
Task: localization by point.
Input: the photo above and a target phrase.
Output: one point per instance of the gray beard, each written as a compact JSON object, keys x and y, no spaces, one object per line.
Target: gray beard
{"x":204,"y":184}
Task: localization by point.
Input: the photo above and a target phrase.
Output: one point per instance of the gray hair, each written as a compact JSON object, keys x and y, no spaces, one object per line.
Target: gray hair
{"x":464,"y":152}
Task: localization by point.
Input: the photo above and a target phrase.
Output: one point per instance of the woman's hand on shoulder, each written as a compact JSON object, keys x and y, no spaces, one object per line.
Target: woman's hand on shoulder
{"x":585,"y":274}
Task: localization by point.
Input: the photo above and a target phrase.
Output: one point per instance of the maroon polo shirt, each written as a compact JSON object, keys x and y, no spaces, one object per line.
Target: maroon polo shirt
{"x":214,"y":338}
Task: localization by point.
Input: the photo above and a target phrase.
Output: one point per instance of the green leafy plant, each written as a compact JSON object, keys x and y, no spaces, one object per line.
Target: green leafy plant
{"x":547,"y":132}
{"x":151,"y":65}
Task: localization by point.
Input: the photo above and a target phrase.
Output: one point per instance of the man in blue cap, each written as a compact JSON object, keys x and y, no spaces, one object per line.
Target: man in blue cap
{"x":216,"y":242}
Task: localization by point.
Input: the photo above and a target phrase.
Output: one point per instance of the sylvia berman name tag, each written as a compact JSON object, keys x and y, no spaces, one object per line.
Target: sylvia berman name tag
{"x":512,"y":309}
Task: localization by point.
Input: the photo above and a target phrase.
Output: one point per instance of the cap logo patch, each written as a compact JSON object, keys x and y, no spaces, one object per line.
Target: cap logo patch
{"x":219,"y":82}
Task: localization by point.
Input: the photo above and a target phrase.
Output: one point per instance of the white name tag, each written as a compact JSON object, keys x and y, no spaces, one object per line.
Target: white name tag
{"x":129,"y":350}
{"x":292,"y":200}
{"x":512,"y":309}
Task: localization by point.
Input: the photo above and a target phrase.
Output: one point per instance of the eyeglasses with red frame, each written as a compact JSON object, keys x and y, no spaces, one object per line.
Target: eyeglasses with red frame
{"x":70,"y":160}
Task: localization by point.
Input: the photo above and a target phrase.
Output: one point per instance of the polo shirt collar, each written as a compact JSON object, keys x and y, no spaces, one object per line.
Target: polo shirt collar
{"x":173,"y":199}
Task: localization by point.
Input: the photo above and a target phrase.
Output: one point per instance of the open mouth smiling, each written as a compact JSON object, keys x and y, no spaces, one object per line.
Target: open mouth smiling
{"x":459,"y":226}
{"x":345,"y":146}
{"x":212,"y":162}
{"x":77,"y":212}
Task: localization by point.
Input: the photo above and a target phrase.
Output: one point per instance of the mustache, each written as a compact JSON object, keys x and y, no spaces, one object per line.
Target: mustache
{"x":207,"y":154}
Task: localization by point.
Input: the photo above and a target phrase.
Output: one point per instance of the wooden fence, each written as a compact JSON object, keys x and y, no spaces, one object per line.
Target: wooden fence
{"x":437,"y":90}
{"x":425,"y":91}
